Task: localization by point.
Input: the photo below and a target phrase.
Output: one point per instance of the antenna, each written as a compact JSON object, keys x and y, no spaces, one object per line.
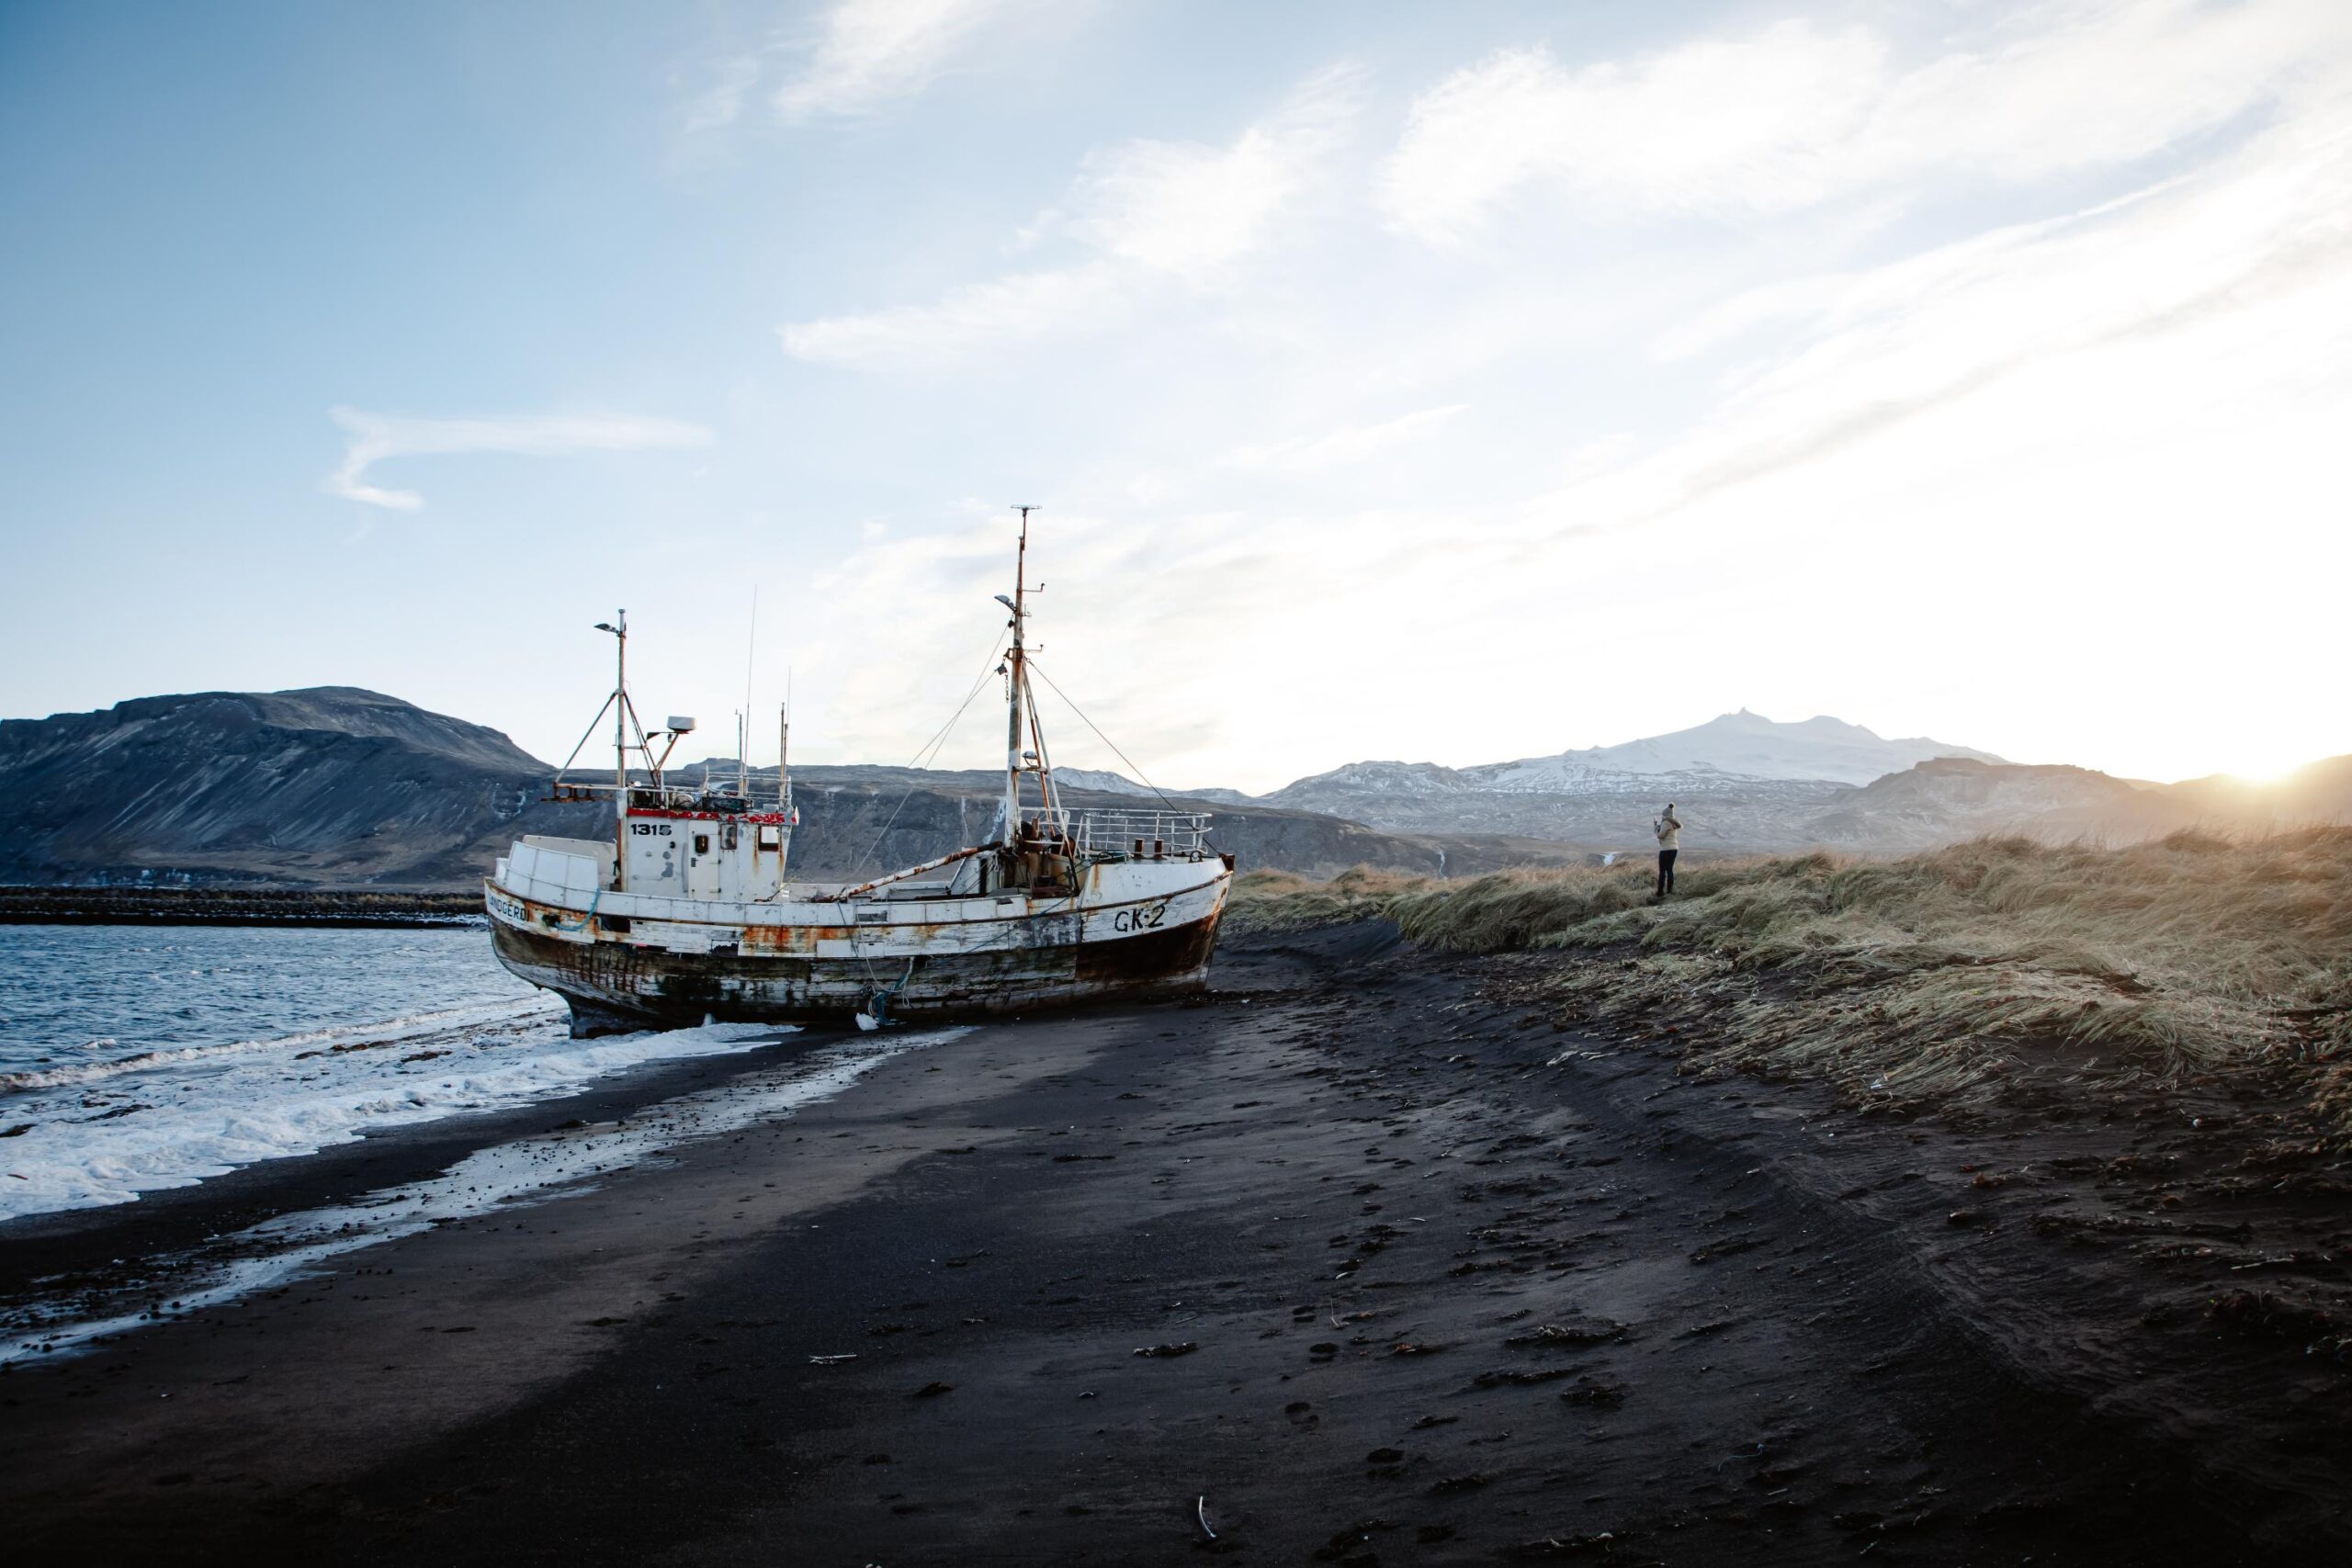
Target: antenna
{"x":784,"y":747}
{"x":743,"y":719}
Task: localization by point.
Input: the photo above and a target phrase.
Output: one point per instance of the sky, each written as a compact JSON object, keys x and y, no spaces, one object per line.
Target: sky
{"x":1447,"y":383}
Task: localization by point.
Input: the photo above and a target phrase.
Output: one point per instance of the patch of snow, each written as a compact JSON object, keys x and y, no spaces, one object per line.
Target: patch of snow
{"x":1098,"y":779}
{"x":1736,"y":749}
{"x":1752,"y":746}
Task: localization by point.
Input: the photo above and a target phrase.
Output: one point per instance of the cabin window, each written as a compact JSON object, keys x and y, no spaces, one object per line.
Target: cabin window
{"x":727,"y":836}
{"x":702,"y":844}
{"x":770,"y":836}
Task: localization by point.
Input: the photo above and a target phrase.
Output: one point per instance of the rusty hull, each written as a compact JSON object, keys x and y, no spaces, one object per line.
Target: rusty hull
{"x":614,"y":987}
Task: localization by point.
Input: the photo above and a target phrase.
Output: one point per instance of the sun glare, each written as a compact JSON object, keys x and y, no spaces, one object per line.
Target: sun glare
{"x":2267,"y":768}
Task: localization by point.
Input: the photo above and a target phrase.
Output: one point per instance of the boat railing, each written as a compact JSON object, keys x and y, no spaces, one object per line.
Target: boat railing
{"x":1143,"y":835}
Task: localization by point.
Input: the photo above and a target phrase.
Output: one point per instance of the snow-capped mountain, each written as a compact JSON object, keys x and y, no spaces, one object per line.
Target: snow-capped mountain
{"x":1744,"y":743}
{"x":1104,"y":781}
{"x":1737,"y":746}
{"x":1098,"y":779}
{"x":1749,"y":780}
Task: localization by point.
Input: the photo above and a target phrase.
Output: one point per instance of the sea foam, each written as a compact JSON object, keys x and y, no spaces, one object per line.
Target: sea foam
{"x":527,"y":1171}
{"x":87,"y":1134}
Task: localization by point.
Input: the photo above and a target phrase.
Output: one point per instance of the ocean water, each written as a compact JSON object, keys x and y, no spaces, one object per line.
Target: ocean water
{"x":541,"y":1168}
{"x":134,"y":1058}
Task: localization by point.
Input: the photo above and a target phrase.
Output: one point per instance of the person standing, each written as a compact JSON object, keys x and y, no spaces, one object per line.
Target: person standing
{"x":1670,"y":845}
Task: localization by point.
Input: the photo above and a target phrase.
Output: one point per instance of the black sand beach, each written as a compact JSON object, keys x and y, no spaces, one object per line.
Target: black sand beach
{"x":1359,"y":1262}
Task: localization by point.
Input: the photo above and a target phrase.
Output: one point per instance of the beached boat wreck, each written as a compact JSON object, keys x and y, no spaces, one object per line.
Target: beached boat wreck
{"x":688,"y":912}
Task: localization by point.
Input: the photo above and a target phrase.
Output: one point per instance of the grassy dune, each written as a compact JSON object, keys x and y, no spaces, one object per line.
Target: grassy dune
{"x":1937,"y":977}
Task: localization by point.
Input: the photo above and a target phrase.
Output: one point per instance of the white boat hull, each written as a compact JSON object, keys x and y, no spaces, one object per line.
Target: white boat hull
{"x":1131,"y":930}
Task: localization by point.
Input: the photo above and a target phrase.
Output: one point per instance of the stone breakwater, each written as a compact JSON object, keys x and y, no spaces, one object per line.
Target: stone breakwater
{"x":232,"y":906}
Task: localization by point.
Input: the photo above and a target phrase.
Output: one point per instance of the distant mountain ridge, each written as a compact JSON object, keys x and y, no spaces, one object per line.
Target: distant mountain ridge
{"x":1733,"y":747}
{"x":1955,"y":797}
{"x":329,"y":783}
{"x":1754,"y":782}
{"x":1741,"y":745}
{"x":337,"y":786}
{"x":1747,"y":744}
{"x":1746,"y":783}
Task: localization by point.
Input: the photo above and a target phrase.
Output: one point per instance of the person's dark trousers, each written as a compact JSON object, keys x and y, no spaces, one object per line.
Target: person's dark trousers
{"x":1665,"y":870}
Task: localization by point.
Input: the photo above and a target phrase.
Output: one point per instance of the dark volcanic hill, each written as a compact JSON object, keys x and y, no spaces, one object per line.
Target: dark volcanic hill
{"x":334,"y":786}
{"x":331,"y":785}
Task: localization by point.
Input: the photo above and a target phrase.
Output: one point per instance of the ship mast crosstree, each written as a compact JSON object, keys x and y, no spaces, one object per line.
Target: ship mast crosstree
{"x":1021,"y":706}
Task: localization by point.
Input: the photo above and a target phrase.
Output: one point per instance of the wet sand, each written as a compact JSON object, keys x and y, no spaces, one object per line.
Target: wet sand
{"x":1334,"y":1269}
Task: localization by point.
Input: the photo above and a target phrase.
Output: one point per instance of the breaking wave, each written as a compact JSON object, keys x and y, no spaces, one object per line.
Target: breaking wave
{"x":390,"y":1032}
{"x":541,"y":1168}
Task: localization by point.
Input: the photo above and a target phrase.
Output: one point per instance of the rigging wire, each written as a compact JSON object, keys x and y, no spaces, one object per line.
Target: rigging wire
{"x":1107,"y":740}
{"x":931,"y":749}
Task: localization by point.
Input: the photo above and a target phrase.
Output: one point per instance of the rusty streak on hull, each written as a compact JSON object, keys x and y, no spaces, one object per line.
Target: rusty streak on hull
{"x":615,"y":986}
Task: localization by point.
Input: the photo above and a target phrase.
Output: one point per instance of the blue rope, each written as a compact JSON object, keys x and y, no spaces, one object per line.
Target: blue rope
{"x":880,"y":1001}
{"x":582,"y":923}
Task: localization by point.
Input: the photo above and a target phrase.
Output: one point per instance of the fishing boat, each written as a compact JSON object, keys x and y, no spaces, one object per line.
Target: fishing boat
{"x":688,"y":912}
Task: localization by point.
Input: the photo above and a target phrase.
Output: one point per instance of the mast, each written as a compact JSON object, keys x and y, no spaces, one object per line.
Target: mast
{"x":620,"y":750}
{"x":743,"y":717}
{"x":1016,"y":686}
{"x":625,"y":725}
{"x":1020,"y":720}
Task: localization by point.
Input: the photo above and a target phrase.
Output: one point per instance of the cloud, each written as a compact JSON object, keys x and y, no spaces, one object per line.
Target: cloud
{"x":1158,"y":215}
{"x":1831,"y":354}
{"x":721,"y":103}
{"x":1352,"y":445}
{"x":1794,"y":115}
{"x":376,"y":438}
{"x":1024,"y":304}
{"x":1190,"y":211}
{"x":2016,"y":462}
{"x":1853,"y":354}
{"x":868,"y":53}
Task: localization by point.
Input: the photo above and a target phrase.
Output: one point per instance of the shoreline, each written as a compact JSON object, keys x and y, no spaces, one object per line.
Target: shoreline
{"x":1423,"y":1277}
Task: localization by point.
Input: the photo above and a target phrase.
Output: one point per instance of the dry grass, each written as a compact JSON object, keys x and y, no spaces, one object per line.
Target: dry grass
{"x":1936,"y":977}
{"x":1284,"y":901}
